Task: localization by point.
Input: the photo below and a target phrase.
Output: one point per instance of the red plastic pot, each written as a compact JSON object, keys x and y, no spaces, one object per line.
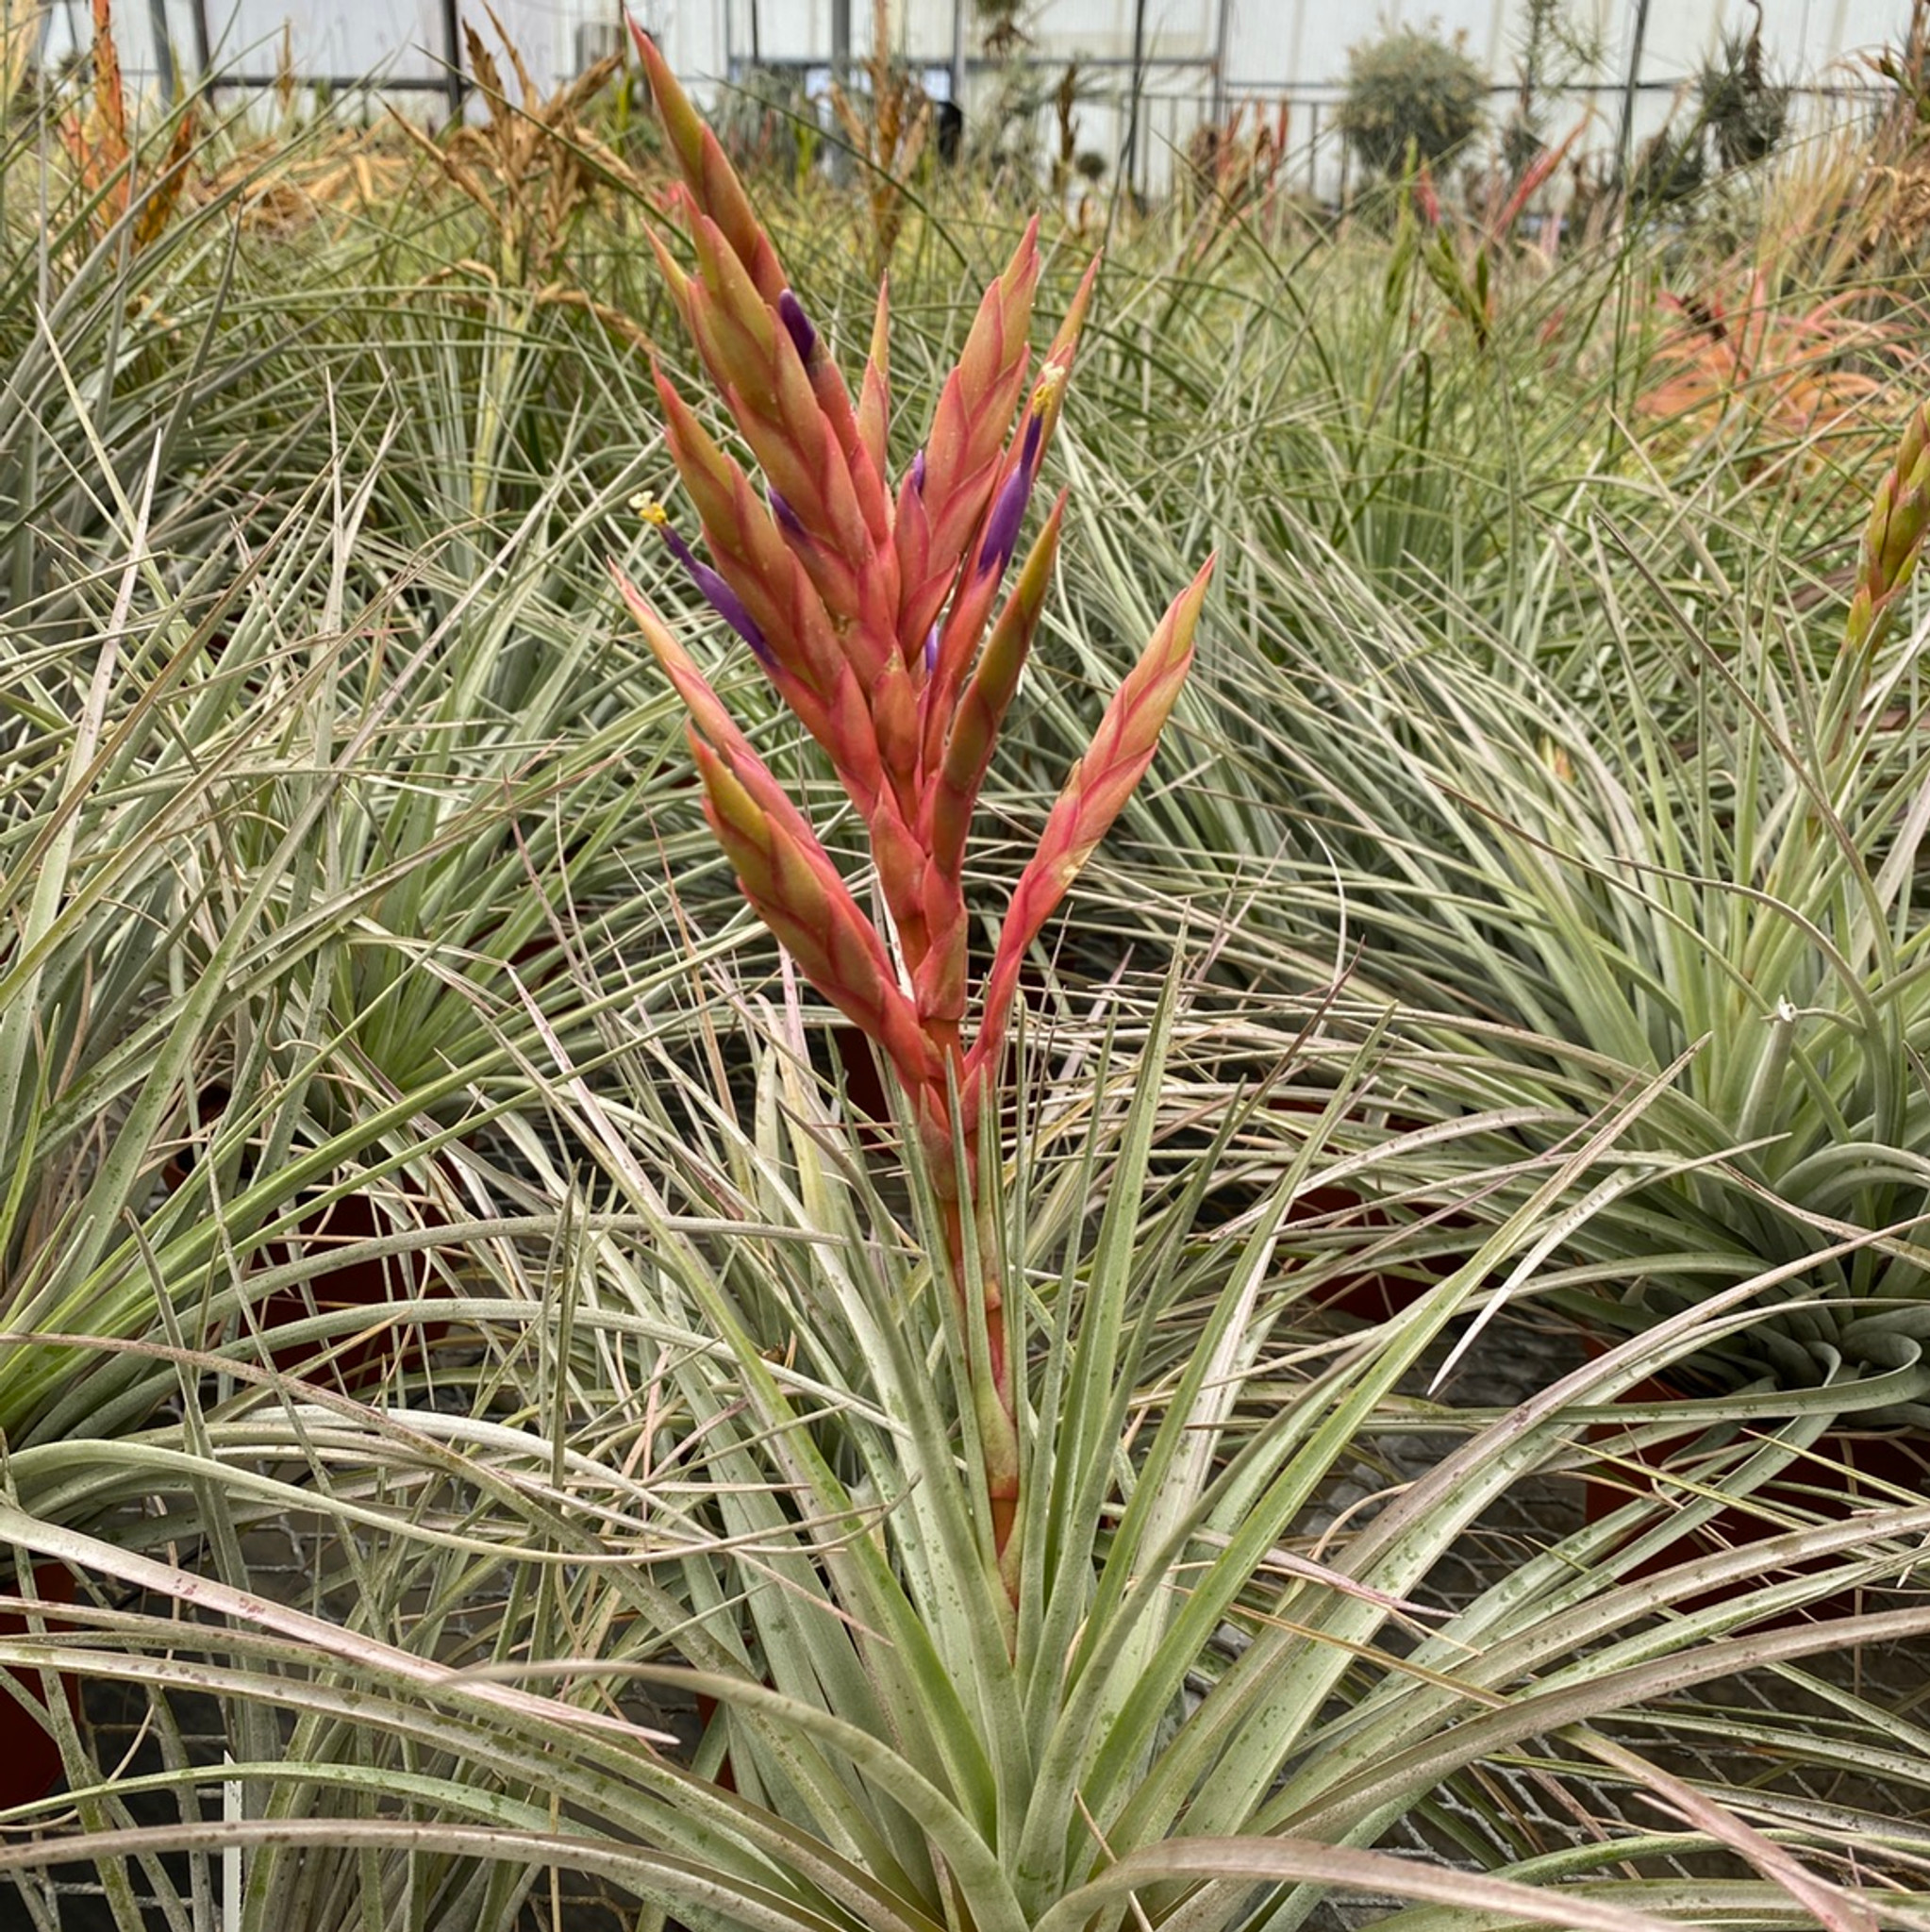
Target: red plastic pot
{"x":1876,"y":1464}
{"x":354,"y":1365}
{"x":347,"y":1364}
{"x":29,"y":1754}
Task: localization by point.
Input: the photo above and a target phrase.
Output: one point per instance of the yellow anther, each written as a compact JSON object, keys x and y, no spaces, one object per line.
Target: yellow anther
{"x":649,"y":509}
{"x":1052,"y":379}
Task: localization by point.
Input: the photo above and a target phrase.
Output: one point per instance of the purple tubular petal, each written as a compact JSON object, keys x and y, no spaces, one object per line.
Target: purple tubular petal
{"x":1002,"y":527}
{"x":679,"y":549}
{"x":1009,"y":511}
{"x":1034,"y":429}
{"x":790,"y":311}
{"x":730,"y":607}
{"x":788,"y":520}
{"x":931,"y":650}
{"x":918,"y":474}
{"x":719,"y":596}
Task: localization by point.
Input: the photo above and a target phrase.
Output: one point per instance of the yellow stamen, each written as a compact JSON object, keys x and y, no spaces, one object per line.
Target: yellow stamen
{"x":649,"y":509}
{"x":1052,"y":379}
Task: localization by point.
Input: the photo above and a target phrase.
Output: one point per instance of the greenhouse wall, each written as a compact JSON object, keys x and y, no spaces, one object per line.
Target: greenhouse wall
{"x":1188,"y":62}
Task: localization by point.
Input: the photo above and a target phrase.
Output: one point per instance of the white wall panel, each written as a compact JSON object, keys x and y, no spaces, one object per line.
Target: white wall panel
{"x":1274,"y":49}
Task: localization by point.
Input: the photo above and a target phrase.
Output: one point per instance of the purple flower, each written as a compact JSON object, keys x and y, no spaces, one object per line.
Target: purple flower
{"x":1002,"y":527}
{"x":730,"y":607}
{"x":790,"y":311}
{"x":931,"y":650}
{"x":917,"y":473}
{"x":1008,"y":509}
{"x":788,"y":519}
{"x":715,"y":591}
{"x":1029,"y":458}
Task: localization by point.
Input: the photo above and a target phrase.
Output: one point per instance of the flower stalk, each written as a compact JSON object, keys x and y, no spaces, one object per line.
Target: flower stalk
{"x":875,"y":609}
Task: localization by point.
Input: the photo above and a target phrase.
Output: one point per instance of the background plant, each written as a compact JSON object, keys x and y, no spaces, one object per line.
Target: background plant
{"x":889,"y":131}
{"x":1554,"y":49}
{"x":531,"y":168}
{"x":1669,"y":170}
{"x":1744,"y":110}
{"x":1410,"y":93}
{"x":1803,"y":380}
{"x":1566,"y":896}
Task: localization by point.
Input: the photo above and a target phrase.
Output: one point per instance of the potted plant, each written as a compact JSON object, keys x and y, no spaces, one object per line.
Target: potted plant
{"x":785,"y":1525}
{"x":1699,"y":883}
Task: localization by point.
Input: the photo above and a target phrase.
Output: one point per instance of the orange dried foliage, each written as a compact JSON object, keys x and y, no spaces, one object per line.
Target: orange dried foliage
{"x":105,"y":158}
{"x":1780,"y":377}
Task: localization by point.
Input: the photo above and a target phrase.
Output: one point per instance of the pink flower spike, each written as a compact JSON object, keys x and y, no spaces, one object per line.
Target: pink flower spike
{"x":1095,"y":793}
{"x":871,"y":607}
{"x":1427,"y":202}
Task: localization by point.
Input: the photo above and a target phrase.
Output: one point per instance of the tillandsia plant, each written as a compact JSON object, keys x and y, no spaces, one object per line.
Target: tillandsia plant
{"x":871,"y":610}
{"x":1791,"y":386}
{"x":1707,"y":869}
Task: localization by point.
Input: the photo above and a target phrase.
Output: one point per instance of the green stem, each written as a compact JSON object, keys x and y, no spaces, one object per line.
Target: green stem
{"x":972,"y":1255}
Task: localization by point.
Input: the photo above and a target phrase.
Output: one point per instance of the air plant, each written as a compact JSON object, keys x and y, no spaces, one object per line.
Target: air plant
{"x":1758,"y":369}
{"x":1713,"y":881}
{"x":1465,"y":260}
{"x":871,"y":607}
{"x":716,"y":1421}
